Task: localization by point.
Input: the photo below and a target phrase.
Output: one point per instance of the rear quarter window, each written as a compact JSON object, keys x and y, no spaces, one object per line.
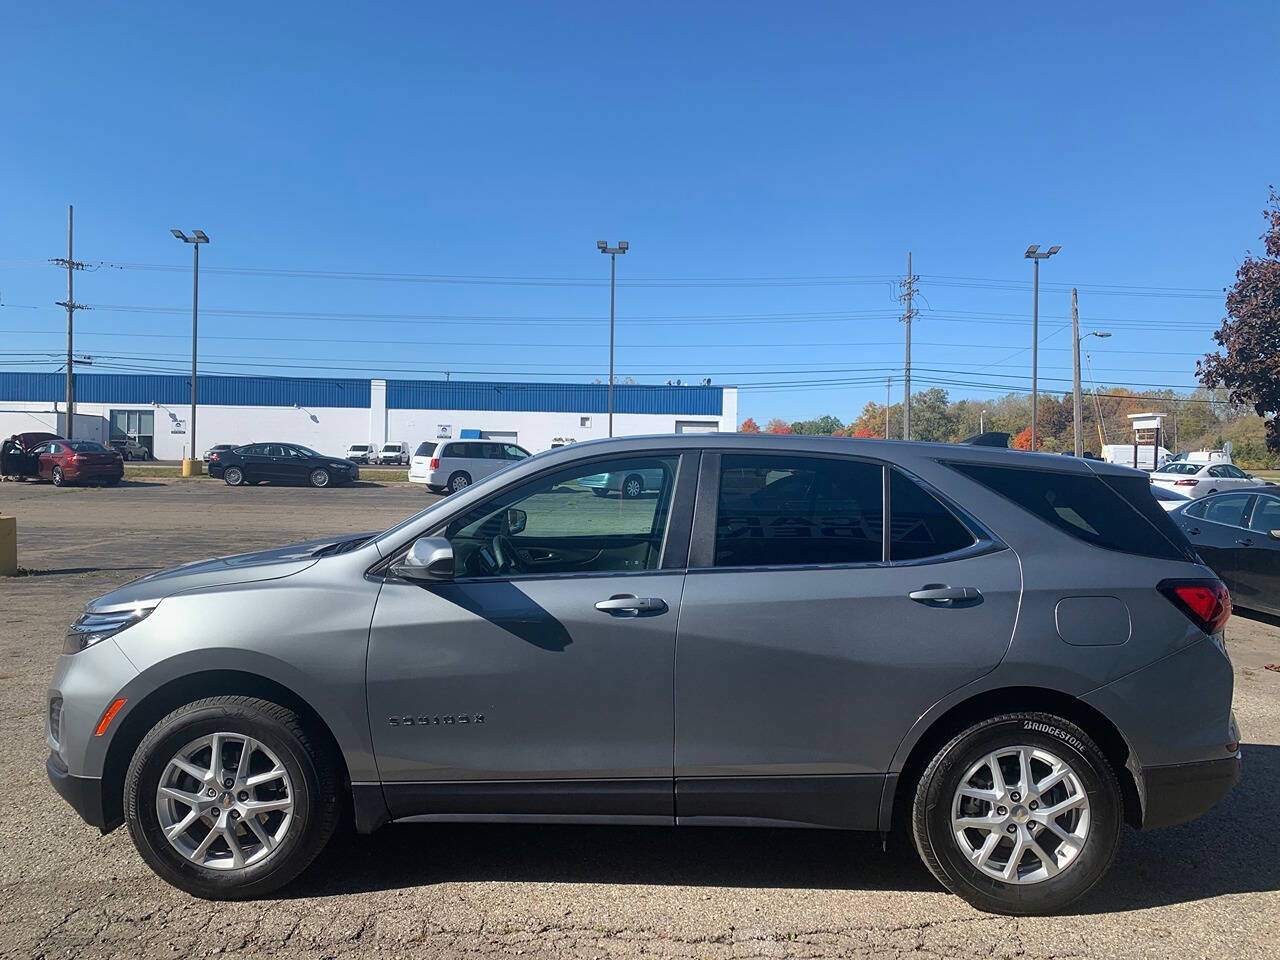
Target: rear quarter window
{"x":1115,"y":513}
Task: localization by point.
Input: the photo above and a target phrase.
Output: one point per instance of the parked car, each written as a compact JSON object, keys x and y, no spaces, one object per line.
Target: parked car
{"x":17,"y":458}
{"x":280,"y":463}
{"x":360,"y":452}
{"x":1197,"y":479}
{"x":130,"y":449}
{"x":397,"y":453}
{"x":420,"y":463}
{"x":217,"y":448}
{"x":1008,"y":654}
{"x":628,"y":485}
{"x":456,"y":464}
{"x":1169,"y":499}
{"x":65,"y":462}
{"x":1238,"y":536}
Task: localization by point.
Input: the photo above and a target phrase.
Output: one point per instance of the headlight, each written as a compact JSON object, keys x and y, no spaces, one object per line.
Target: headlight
{"x":339,"y":466}
{"x":93,"y":627}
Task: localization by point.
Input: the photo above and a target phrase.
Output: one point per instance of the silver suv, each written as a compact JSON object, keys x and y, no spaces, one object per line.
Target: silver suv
{"x":1007,"y":655}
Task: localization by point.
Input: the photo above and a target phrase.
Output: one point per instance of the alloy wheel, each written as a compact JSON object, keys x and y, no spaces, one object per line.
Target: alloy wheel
{"x":319,"y":478}
{"x":1021,"y":815}
{"x":225,"y":801}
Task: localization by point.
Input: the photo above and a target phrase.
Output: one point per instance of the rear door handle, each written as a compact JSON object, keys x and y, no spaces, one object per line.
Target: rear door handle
{"x":625,"y":604}
{"x":945,"y":596}
{"x":1246,"y":542}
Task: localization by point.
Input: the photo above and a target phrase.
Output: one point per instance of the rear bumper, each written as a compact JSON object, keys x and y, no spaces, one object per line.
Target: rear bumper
{"x":83,"y":793}
{"x":1183,"y":792}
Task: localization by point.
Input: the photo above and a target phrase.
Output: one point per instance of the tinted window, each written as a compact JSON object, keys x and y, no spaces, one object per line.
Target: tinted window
{"x":1119,"y":514}
{"x":1266,"y":515}
{"x":797,"y":510}
{"x":564,"y":526}
{"x":1182,"y":468}
{"x":919,"y":525}
{"x":87,"y":446}
{"x":1227,"y":509}
{"x":425,"y":449}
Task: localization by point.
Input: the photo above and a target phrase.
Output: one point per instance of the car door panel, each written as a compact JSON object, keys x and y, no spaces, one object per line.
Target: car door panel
{"x":1216,"y":532}
{"x":1258,"y":570}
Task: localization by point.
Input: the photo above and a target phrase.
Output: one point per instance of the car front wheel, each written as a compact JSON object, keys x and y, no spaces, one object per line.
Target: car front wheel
{"x":319,"y":478}
{"x":230,"y":797}
{"x":459,"y":481}
{"x":1019,"y":814}
{"x":633,"y":486}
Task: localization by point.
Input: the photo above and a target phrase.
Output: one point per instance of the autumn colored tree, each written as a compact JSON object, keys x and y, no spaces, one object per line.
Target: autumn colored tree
{"x":1023,"y":440}
{"x":749,"y":426}
{"x":864,"y":432}
{"x":1251,"y":368}
{"x":777,"y":425}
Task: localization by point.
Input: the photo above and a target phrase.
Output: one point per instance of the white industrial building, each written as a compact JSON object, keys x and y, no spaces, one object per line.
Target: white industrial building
{"x":329,"y":414}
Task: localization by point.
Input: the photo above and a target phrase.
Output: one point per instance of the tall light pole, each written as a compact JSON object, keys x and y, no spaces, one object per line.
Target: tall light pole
{"x":1075,"y":371}
{"x":613,"y":252}
{"x":1035,"y":256}
{"x":198,"y":237}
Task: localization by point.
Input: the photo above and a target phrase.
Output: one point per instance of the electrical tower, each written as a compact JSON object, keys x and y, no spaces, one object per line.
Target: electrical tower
{"x":908,"y":291}
{"x":71,"y":265}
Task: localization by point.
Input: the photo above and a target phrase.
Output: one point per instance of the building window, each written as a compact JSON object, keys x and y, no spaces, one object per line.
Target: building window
{"x":584,"y":421}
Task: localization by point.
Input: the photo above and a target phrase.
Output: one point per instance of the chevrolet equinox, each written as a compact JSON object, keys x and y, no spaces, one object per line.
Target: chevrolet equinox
{"x":1008,"y":655}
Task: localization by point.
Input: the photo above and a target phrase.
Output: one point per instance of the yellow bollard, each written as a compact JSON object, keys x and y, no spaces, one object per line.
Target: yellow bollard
{"x":192,"y":468}
{"x":8,"y":546}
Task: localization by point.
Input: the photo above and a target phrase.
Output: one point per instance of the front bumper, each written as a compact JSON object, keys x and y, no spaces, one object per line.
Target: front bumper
{"x":1182,"y":792}
{"x":83,"y":793}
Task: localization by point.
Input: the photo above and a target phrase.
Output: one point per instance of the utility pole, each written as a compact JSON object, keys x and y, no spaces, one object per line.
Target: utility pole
{"x":72,"y":266}
{"x":1075,"y":376}
{"x":613,"y":252}
{"x":888,"y":383}
{"x":982,"y":420}
{"x":1035,"y":256}
{"x":906,"y":384}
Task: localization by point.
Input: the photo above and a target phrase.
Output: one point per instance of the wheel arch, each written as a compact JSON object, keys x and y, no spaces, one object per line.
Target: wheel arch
{"x":900,"y":787}
{"x":166,"y":698}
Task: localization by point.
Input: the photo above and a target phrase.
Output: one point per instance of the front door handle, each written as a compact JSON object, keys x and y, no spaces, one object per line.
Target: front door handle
{"x":944,"y":595}
{"x":1246,"y":542}
{"x":627,"y":605}
{"x":1194,"y":531}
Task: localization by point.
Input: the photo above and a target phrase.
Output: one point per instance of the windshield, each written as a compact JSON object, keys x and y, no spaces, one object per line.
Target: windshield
{"x":358,"y":446}
{"x":1183,"y":468}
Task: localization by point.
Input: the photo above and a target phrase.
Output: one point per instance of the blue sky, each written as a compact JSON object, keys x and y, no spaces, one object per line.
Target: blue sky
{"x":726,"y":142}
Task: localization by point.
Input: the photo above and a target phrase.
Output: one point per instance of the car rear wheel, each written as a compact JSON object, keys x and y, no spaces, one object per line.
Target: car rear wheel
{"x":1019,"y":814}
{"x":320,"y":477}
{"x":59,"y":478}
{"x":233,"y":476}
{"x":230,"y":797}
{"x":633,"y":486}
{"x":459,"y":481}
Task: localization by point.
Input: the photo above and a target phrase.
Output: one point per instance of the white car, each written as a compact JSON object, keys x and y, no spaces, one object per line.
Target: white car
{"x":1169,"y":499}
{"x":359,"y":452}
{"x":456,"y":464}
{"x":1198,"y":479}
{"x":628,"y":484}
{"x":393,"y":452}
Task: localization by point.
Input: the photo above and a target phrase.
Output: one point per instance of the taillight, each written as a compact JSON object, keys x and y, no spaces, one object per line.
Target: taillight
{"x":215,"y":456}
{"x":434,"y":464}
{"x":1207,"y":603}
{"x":1185,"y":483}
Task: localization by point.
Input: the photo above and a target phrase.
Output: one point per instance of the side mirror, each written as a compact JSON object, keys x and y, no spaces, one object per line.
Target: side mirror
{"x":515,"y":521}
{"x":428,"y":559}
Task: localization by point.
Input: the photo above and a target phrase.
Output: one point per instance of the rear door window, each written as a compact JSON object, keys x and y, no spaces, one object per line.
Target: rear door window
{"x":919,"y":525}
{"x":794,"y":510}
{"x":425,"y":449}
{"x":1115,"y":513}
{"x":1228,"y":509}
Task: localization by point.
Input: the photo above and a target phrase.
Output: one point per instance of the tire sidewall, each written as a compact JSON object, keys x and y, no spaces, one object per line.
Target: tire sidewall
{"x":627,"y":483}
{"x":148,"y":765}
{"x":937,"y":792}
{"x":454,"y":486}
{"x":321,"y":475}
{"x":59,"y":478}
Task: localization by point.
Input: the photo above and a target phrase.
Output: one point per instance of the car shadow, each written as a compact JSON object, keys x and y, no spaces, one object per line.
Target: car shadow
{"x":1229,"y":850}
{"x":1255,"y":615}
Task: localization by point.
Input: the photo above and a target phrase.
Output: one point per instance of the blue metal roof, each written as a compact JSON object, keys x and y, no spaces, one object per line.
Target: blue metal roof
{"x":136,"y":388}
{"x":552,"y":397}
{"x":169,"y":389}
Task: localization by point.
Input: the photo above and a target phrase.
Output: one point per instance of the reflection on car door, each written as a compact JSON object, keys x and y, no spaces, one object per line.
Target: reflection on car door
{"x":295,"y":465}
{"x":1258,"y":558}
{"x":1215,"y":526}
{"x":511,"y":689}
{"x":801,"y":655}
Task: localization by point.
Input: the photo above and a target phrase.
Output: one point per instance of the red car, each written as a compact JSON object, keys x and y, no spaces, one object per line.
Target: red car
{"x":77,"y":461}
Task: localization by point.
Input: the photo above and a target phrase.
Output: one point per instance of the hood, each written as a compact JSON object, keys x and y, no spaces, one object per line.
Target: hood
{"x":270,"y":564}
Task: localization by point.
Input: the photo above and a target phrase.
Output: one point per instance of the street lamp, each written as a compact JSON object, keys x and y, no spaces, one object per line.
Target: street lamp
{"x":198,"y":237}
{"x":613,"y":252}
{"x":1033,"y":254}
{"x":1075,"y":372}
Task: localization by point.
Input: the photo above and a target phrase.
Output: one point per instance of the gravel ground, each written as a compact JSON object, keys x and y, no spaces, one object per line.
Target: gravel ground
{"x":1201,"y":890}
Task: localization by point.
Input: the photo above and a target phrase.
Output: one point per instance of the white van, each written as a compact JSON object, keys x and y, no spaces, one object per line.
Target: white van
{"x":359,"y":452}
{"x":456,"y":464}
{"x":394,"y":452}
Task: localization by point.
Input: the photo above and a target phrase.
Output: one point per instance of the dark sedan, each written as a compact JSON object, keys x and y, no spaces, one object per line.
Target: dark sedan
{"x":1237,"y":533}
{"x":280,"y":463}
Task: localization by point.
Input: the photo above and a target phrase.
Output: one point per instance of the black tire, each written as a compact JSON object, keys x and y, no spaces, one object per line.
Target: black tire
{"x":459,"y":481}
{"x":633,"y":487}
{"x":941,"y":851}
{"x":233,"y":477}
{"x":111,"y":483}
{"x":600,"y":491}
{"x":59,"y":478}
{"x":312,"y":771}
{"x":319,"y":477}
